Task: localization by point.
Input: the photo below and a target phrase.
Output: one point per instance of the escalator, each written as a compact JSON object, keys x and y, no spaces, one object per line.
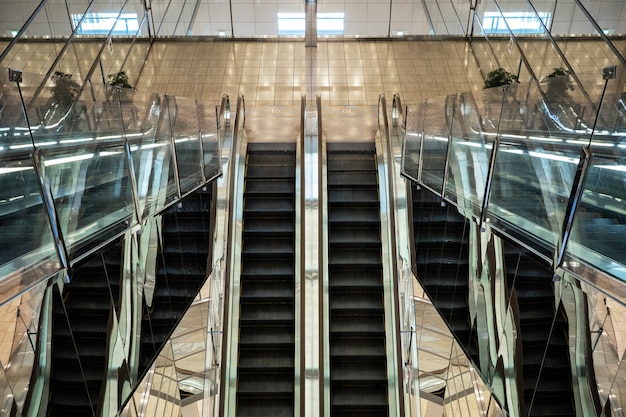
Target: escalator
{"x":80,"y":333}
{"x":358,"y":363}
{"x":546,"y":371}
{"x":265,"y":373}
{"x":182,"y":267}
{"x":441,"y":238}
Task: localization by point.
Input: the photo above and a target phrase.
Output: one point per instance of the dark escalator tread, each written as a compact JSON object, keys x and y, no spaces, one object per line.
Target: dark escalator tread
{"x":181,"y":269}
{"x":265,"y":373}
{"x":441,"y":239}
{"x":265,"y":407}
{"x":547,"y":381}
{"x":358,"y":375}
{"x":358,"y":396}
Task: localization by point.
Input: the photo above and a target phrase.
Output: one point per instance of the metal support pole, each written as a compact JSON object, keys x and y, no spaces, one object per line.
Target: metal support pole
{"x":46,"y":195}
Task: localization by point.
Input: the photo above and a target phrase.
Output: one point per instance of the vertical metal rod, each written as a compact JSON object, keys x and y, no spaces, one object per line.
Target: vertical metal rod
{"x":448,"y":149}
{"x":129,"y":162}
{"x":200,"y":118}
{"x":578,"y":185}
{"x":53,"y":218}
{"x":173,"y":148}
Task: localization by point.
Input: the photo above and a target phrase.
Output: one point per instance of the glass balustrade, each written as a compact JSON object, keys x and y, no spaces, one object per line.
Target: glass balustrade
{"x":509,"y":157}
{"x":82,"y":172}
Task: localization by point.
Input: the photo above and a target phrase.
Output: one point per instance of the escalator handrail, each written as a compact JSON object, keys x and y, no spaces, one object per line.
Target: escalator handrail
{"x":386,"y":139}
{"x":321,"y":259}
{"x":398,"y":112}
{"x":222,"y":112}
{"x":232,"y":169}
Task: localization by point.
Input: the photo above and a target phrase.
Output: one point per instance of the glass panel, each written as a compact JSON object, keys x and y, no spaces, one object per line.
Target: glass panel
{"x":164,"y":394}
{"x":437,"y":121}
{"x":190,"y":350}
{"x":183,"y":114}
{"x":7,"y":402}
{"x":92,"y":192}
{"x":517,"y":197}
{"x":606,"y":335}
{"x":600,"y":222}
{"x":210,"y":141}
{"x":172,"y":19}
{"x":89,"y":302}
{"x":68,"y":388}
{"x":25,"y":311}
{"x":118,"y":379}
{"x":29,"y":253}
{"x":413,"y":141}
{"x":470,"y":152}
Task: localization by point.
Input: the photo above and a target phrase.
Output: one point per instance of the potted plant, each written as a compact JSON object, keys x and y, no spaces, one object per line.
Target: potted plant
{"x":499,"y":77}
{"x":119,"y":82}
{"x":63,"y":111}
{"x":65,"y":90}
{"x":118,"y":79}
{"x":559,"y":84}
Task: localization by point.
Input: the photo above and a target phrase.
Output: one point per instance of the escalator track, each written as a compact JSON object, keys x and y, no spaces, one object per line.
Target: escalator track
{"x":182,"y":259}
{"x":266,"y":350}
{"x":441,"y":238}
{"x":547,"y":375}
{"x":358,"y":363}
{"x":80,"y":333}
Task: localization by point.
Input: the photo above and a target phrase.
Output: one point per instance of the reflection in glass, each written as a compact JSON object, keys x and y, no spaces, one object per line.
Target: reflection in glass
{"x":183,"y":114}
{"x":437,"y":123}
{"x":92,"y":191}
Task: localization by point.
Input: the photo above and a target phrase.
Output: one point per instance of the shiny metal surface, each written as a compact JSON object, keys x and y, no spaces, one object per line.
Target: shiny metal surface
{"x":312,"y":319}
{"x":389,"y":260}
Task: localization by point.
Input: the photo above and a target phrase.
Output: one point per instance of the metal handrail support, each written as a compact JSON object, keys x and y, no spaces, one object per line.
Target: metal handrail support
{"x":492,"y":167}
{"x":584,"y":164}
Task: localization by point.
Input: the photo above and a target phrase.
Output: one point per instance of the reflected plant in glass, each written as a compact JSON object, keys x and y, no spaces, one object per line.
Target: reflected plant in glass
{"x":65,"y":90}
{"x":559,"y":84}
{"x":62,"y":113}
{"x":499,"y":77}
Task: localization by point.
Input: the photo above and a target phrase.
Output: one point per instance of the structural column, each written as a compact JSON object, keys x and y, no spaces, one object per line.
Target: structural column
{"x":310,"y":31}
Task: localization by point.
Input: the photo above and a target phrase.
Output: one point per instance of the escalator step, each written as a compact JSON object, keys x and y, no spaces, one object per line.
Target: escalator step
{"x":267,"y":188}
{"x":267,"y":312}
{"x":268,"y":336}
{"x":357,"y":325}
{"x":268,"y":207}
{"x":357,"y":396}
{"x":268,"y":268}
{"x":359,"y":302}
{"x":266,"y":359}
{"x":355,"y":280}
{"x":261,"y":292}
{"x":364,"y":347}
{"x":269,"y":172}
{"x":251,"y":406}
{"x":347,"y":180}
{"x":269,"y":247}
{"x":265,"y":382}
{"x":267,"y":226}
{"x":353,"y":372}
{"x":360,"y":258}
{"x":353,"y":216}
{"x":355,"y":237}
